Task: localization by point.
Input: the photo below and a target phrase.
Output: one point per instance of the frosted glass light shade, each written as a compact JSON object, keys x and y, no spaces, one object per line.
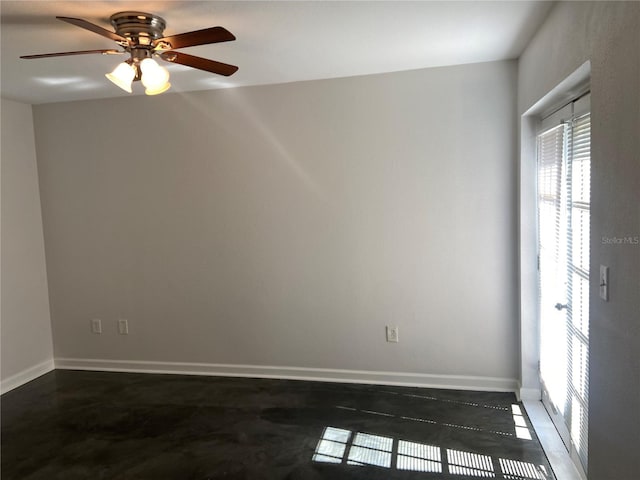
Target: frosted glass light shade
{"x":154,"y":77}
{"x":122,"y":76}
{"x":155,"y":91}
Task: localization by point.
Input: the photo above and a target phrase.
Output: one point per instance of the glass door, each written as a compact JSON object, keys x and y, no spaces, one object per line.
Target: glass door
{"x":563,"y":242}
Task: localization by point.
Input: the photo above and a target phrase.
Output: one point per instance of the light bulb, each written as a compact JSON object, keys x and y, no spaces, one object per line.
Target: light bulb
{"x":122,"y":76}
{"x":154,"y":77}
{"x":155,"y":91}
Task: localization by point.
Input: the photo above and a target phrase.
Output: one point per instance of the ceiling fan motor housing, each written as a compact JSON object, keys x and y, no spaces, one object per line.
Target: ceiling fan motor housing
{"x":140,"y":28}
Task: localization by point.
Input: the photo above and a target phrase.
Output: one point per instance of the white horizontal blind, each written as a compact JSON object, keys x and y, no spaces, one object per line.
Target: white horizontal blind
{"x":552,"y":261}
{"x":564,"y":177}
{"x":579,"y":192}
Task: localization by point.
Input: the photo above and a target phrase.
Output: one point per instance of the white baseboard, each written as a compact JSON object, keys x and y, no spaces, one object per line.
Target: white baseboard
{"x":294,"y":373}
{"x":26,"y":375}
{"x":528,"y":394}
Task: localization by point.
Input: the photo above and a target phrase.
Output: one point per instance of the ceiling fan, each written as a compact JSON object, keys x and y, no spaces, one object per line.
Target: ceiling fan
{"x":141,"y":36}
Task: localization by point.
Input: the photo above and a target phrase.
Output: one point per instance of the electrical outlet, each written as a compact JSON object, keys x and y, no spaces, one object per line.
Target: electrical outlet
{"x":123,"y":326}
{"x":392,"y":334}
{"x":96,"y":325}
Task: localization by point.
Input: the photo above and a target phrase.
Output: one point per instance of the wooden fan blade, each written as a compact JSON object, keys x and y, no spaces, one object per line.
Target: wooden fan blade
{"x":199,"y":63}
{"x":80,"y":52}
{"x":78,"y":22}
{"x":198,"y":37}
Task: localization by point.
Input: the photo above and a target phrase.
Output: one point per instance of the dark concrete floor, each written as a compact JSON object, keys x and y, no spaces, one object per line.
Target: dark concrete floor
{"x":97,"y":425}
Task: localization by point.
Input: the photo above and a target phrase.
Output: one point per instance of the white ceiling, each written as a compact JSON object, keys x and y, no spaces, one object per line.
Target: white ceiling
{"x":276,"y":42}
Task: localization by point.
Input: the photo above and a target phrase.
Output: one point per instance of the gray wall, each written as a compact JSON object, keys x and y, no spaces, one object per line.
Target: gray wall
{"x":286,"y":225}
{"x":26,"y":328}
{"x":608,"y":35}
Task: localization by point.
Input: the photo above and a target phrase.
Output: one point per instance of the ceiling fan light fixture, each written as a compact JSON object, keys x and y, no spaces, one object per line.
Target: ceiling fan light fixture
{"x":158,"y":90}
{"x":122,"y":76}
{"x":154,"y":77}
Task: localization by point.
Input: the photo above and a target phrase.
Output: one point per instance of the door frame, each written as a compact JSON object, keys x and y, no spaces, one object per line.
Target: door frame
{"x":530,"y":388}
{"x":574,"y":85}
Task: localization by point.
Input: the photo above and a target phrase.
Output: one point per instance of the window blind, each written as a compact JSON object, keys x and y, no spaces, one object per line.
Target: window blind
{"x":552,"y":253}
{"x":564,"y":177}
{"x":579,"y":190}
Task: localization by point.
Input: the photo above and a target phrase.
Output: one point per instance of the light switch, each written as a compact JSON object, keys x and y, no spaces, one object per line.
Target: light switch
{"x":604,"y":283}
